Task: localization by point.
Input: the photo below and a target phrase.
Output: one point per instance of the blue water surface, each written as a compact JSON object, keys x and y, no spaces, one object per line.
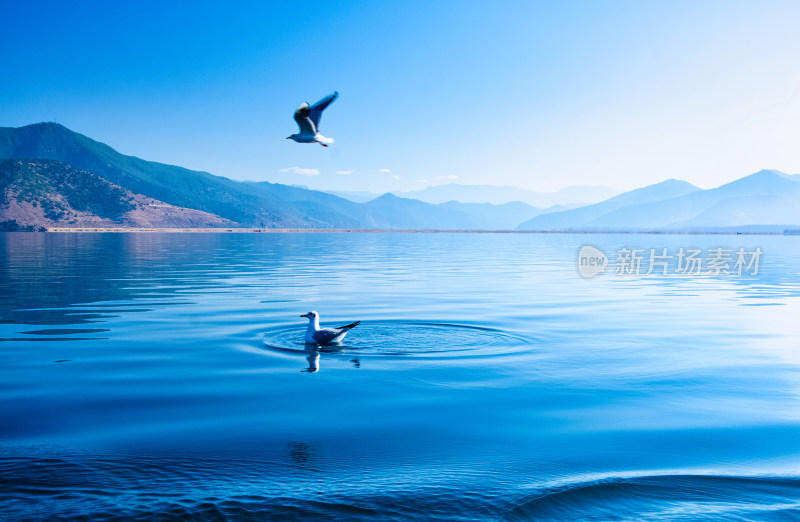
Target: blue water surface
{"x":164,"y":376}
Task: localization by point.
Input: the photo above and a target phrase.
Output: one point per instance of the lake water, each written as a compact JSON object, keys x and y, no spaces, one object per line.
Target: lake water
{"x":164,"y":376}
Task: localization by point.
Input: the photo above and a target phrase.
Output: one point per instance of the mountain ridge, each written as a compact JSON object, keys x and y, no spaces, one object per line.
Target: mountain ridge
{"x":89,"y":182}
{"x":499,"y":195}
{"x":248,"y":204}
{"x":584,"y":215}
{"x":765,"y":198}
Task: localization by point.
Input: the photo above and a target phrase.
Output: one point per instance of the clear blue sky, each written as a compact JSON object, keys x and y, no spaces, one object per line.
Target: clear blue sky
{"x":540,"y":95}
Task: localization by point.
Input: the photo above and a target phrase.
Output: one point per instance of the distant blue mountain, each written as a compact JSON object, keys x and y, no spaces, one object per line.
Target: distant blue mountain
{"x":500,"y":195}
{"x":581,"y":217}
{"x":389,"y":211}
{"x":766,"y":198}
{"x":357,"y":196}
{"x":499,"y":217}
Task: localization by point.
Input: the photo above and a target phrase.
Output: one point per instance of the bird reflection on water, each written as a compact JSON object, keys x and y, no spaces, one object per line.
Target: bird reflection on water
{"x":313,"y":362}
{"x":313,"y":357}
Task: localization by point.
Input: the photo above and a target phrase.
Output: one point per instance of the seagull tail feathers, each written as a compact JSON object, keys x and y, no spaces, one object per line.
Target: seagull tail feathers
{"x":349,"y":326}
{"x":323,"y":139}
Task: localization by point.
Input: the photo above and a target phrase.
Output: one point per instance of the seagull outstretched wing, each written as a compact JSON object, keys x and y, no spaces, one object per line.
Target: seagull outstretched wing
{"x":315,"y":111}
{"x":303,"y":121}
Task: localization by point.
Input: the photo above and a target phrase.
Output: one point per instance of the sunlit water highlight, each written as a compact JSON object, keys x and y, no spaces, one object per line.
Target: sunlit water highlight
{"x":487,"y":380}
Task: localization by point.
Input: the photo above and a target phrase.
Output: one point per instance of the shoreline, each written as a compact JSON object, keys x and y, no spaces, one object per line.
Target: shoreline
{"x":128,"y":230}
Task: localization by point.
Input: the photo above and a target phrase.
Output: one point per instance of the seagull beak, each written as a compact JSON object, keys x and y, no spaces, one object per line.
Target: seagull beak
{"x":304,"y":315}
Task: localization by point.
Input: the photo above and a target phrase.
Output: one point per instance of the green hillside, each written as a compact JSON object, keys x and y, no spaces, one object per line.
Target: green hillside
{"x":249,"y":204}
{"x":39,"y":182}
{"x":244,"y":203}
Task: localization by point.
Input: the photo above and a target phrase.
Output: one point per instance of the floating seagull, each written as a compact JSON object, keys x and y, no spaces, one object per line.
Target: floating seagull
{"x":307,"y":119}
{"x":317,"y":335}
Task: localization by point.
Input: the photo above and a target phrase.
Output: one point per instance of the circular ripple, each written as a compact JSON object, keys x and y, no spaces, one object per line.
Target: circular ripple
{"x":406,"y":339}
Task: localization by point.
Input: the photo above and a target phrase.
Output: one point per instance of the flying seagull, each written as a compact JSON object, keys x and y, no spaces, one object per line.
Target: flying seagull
{"x":317,"y":335}
{"x":307,"y":118}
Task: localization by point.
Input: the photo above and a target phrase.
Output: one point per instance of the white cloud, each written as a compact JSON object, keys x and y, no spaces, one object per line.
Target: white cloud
{"x":385,"y":171}
{"x":451,"y":176}
{"x":421,"y":180}
{"x":344,"y":172}
{"x":395,"y":177}
{"x":300,"y":170}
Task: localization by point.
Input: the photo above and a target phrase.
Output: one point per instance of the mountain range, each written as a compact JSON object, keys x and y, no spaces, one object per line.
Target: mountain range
{"x":229,"y":202}
{"x":52,"y":176}
{"x":569,"y":196}
{"x":768,"y":199}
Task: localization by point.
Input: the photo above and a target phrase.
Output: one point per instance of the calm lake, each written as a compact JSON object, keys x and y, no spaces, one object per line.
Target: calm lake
{"x":164,"y":376}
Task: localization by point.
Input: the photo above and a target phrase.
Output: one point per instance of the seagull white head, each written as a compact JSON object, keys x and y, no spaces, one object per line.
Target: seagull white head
{"x":313,"y":320}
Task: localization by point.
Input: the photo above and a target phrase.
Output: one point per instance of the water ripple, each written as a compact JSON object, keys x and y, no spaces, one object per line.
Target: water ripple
{"x":165,"y":488}
{"x":406,"y":339}
{"x":666,"y":497}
